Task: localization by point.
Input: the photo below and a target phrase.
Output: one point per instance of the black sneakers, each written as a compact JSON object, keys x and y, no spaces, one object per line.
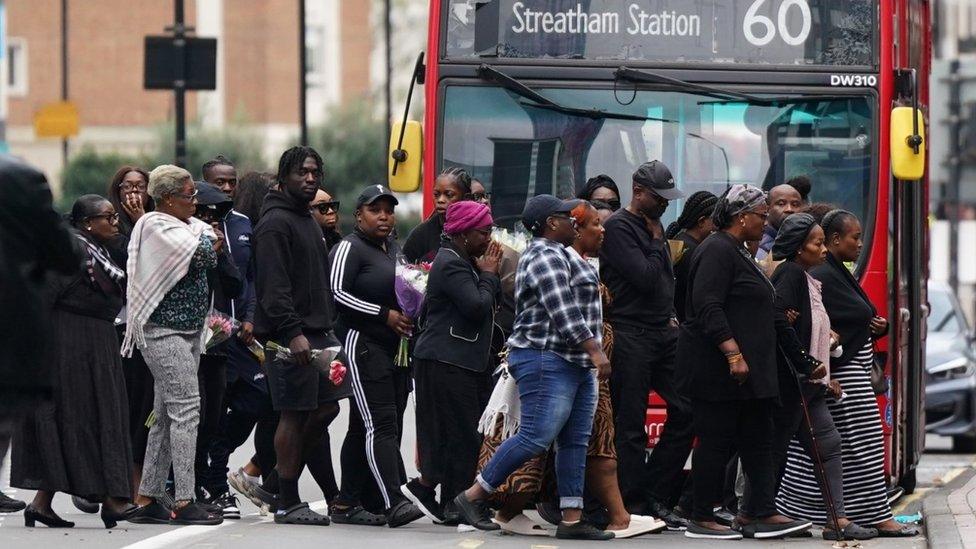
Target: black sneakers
{"x":767,"y":530}
{"x":582,"y":529}
{"x":10,"y":505}
{"x":424,"y":498}
{"x":154,"y":513}
{"x":228,"y":505}
{"x":675,"y":523}
{"x":695,"y":531}
{"x":475,"y":513}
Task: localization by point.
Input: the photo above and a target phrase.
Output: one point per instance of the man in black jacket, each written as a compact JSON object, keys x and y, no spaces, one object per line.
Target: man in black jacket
{"x":295,"y":310}
{"x":635,"y":264}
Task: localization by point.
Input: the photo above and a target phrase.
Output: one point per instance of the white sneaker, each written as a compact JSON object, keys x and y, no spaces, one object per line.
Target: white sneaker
{"x":245,"y":486}
{"x":640,"y":525}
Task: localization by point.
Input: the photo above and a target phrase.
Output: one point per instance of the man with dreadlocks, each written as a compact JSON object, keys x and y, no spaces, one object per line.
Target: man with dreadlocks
{"x":452,"y":185}
{"x":295,"y":309}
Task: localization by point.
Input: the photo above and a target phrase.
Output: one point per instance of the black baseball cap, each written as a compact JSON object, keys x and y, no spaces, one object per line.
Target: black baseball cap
{"x":656,"y":176}
{"x":373,"y":193}
{"x":540,"y":207}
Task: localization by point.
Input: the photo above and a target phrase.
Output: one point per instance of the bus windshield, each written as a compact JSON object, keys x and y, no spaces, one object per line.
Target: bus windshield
{"x":518,"y":150}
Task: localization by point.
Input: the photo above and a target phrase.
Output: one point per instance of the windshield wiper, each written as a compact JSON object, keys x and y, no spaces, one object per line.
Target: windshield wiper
{"x":539,"y":101}
{"x":722,"y":95}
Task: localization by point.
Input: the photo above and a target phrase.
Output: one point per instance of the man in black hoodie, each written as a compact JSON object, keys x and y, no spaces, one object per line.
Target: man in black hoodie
{"x":295,"y":310}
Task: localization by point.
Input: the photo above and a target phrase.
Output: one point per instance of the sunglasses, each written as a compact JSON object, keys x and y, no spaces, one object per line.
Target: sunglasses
{"x":326,"y":207}
{"x":614,"y":204}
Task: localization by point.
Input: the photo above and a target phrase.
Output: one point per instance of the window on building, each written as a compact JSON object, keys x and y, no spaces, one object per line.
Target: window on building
{"x":315,"y":51}
{"x":16,"y":67}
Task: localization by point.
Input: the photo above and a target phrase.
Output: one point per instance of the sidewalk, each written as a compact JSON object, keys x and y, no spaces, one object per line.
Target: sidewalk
{"x":950,"y":514}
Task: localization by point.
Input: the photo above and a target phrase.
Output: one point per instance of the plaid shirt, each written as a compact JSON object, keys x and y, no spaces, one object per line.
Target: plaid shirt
{"x":557,"y":302}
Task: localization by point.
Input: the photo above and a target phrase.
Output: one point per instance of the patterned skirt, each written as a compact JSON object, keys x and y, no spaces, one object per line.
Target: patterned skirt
{"x":862,"y":451}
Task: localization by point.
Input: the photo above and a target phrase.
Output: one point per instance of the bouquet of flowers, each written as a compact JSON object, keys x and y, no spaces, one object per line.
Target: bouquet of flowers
{"x":323,"y":359}
{"x":219,"y":327}
{"x":516,"y":240}
{"x":410,"y":284}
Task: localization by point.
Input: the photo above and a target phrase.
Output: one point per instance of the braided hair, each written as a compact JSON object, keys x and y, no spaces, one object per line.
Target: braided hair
{"x":460,"y":177}
{"x":700,"y":204}
{"x":834,"y":222}
{"x":293,"y":158}
{"x":594,"y":183}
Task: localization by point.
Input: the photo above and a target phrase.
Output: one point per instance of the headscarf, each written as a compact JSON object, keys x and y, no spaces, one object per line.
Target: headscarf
{"x":792,"y":235}
{"x":466,"y":215}
{"x":738,"y":199}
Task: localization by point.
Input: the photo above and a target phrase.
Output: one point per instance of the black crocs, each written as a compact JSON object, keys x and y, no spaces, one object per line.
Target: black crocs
{"x":850,"y":532}
{"x":300,"y":514}
{"x":356,"y":515}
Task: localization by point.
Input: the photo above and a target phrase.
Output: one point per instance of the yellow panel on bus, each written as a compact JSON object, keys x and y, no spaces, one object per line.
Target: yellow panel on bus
{"x":407,"y":177}
{"x":906,"y":164}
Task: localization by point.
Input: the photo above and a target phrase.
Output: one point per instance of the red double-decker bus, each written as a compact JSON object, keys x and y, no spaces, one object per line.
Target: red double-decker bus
{"x":537,"y":96}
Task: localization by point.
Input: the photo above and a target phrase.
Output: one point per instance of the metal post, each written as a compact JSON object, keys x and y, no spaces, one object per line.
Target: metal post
{"x":955,"y":170}
{"x":387,"y":35}
{"x":64,"y":73}
{"x":179,"y":89}
{"x":302,"y":69}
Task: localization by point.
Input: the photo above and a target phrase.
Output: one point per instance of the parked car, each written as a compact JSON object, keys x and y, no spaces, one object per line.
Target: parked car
{"x":950,"y":371}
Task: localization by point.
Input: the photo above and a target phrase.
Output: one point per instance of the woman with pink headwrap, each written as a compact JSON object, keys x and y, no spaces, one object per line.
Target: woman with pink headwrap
{"x":451,"y":357}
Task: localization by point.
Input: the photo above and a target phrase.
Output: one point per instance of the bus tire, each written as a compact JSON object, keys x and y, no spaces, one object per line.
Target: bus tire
{"x":908,"y":481}
{"x":964,"y":444}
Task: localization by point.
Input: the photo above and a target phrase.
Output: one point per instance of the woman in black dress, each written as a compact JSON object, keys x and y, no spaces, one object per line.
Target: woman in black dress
{"x":453,"y":185}
{"x":727,"y":351}
{"x":128,"y":194}
{"x":77,"y":443}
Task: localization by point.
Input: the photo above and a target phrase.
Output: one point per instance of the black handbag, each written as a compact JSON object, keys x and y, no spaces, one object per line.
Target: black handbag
{"x":879,"y":381}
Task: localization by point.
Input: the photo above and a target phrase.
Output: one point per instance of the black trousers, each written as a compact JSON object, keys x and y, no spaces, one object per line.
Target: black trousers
{"x":139,"y":387}
{"x":720,"y":426}
{"x":212,"y":376}
{"x":245,"y":406}
{"x":371,"y":450}
{"x":789,"y":421}
{"x":450,"y":401}
{"x":644,"y":359}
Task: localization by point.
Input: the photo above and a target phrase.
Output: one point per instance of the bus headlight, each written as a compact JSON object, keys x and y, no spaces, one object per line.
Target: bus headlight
{"x":953,"y":369}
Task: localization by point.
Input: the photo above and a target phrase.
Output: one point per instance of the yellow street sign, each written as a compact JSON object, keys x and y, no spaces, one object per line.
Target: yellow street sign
{"x":57,"y":120}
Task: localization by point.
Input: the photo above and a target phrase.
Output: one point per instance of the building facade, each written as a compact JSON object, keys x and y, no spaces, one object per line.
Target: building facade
{"x":257,"y":69}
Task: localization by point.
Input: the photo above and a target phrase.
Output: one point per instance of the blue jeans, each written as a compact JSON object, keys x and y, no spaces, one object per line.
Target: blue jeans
{"x":558,"y":400}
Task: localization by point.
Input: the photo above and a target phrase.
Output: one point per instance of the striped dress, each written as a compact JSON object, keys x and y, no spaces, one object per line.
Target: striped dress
{"x":862,"y":450}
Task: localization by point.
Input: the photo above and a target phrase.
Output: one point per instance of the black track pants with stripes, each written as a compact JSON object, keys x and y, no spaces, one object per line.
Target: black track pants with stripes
{"x":371,"y":450}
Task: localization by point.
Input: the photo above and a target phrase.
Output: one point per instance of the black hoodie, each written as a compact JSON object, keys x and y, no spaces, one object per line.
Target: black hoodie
{"x":292,"y":265}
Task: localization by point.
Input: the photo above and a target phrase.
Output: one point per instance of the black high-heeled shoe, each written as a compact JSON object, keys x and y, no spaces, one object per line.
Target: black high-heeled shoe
{"x":112,"y":518}
{"x":32,"y":515}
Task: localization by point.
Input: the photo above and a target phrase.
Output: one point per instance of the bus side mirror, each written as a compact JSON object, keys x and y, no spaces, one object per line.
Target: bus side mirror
{"x":405,"y":159}
{"x":907,"y":143}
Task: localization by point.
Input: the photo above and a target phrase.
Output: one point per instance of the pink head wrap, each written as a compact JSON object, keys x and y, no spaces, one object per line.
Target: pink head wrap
{"x":466,"y":215}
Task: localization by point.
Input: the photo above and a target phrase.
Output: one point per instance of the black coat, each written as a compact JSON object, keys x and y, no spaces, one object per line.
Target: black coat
{"x":793,"y":292}
{"x":424,"y":240}
{"x":847,"y":305}
{"x":460,"y":310}
{"x":681,"y":273}
{"x":34,"y":244}
{"x":728,"y":297}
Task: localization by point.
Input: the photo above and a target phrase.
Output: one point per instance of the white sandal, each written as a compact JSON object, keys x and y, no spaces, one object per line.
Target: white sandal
{"x":523,"y":526}
{"x":640,"y":525}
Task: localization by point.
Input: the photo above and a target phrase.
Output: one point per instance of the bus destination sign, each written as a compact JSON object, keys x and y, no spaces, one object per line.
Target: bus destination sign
{"x":759,"y":32}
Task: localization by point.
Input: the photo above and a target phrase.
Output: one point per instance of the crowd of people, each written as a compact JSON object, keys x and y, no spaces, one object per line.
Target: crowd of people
{"x":531,"y":368}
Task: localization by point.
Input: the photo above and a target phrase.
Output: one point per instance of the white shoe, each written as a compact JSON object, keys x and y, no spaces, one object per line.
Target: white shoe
{"x":244,"y":486}
{"x":522,"y":525}
{"x":640,"y":525}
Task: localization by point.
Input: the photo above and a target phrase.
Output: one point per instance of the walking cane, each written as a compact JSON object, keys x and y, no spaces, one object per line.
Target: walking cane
{"x":818,"y":460}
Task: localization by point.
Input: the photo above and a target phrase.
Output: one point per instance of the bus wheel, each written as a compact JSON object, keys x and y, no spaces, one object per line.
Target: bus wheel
{"x":964,"y":444}
{"x":908,"y":481}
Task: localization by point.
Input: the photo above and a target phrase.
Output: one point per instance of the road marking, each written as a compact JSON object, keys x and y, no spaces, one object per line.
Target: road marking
{"x":180,"y":536}
{"x":470,"y":543}
{"x":177,"y":537}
